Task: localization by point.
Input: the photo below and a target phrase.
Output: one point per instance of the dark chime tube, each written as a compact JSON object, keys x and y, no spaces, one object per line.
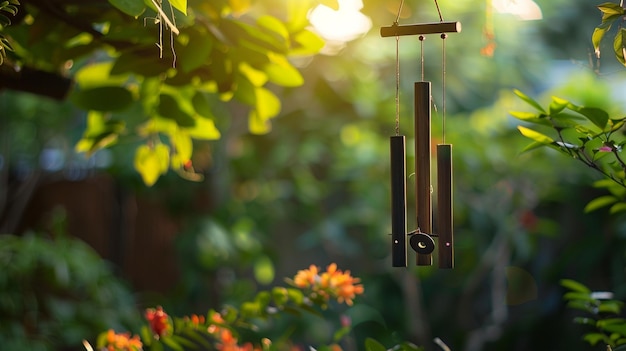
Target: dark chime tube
{"x":398,"y":201}
{"x":444,"y":206}
{"x":423,"y":202}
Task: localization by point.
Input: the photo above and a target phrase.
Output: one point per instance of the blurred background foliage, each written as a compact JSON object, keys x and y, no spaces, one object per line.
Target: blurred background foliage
{"x":315,"y":189}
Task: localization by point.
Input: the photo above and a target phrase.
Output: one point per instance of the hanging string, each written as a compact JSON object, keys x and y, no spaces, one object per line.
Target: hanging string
{"x":399,"y":12}
{"x":443,"y":85}
{"x":439,"y":11}
{"x":422,"y":38}
{"x":397,"y":85}
{"x":395,"y":23}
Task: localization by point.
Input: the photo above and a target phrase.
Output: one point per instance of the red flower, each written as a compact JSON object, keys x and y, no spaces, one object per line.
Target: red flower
{"x":158,"y":320}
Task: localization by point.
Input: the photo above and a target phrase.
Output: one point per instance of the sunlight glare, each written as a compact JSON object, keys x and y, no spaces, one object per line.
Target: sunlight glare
{"x":526,"y":10}
{"x":345,"y":24}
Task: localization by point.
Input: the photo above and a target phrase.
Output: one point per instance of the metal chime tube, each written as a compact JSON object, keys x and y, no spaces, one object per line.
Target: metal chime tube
{"x":444,"y":206}
{"x":423,"y":202}
{"x":398,"y":201}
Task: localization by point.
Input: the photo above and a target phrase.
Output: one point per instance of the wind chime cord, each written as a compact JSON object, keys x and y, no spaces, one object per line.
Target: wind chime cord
{"x":398,"y":71}
{"x":397,"y":85}
{"x":422,"y":38}
{"x":443,"y":85}
{"x":439,"y":11}
{"x":399,"y":12}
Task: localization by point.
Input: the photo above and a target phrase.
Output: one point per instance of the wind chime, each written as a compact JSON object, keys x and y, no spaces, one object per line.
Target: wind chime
{"x":421,"y":240}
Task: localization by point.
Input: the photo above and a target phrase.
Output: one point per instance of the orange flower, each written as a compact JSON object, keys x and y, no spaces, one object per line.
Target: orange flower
{"x":195,"y":319}
{"x":229,"y":343}
{"x":122,"y":342}
{"x":332,"y":282}
{"x":158,"y":320}
{"x":307,"y":277}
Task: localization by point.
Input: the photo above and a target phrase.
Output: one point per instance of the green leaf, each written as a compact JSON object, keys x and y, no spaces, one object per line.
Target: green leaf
{"x":534,"y":135}
{"x":182,"y":148}
{"x":264,"y":270}
{"x":609,"y":9}
{"x":373,"y":345}
{"x":273,"y":25}
{"x":280,"y":295}
{"x":619,"y":45}
{"x":531,"y":117}
{"x":598,"y":34}
{"x":106,"y":98}
{"x":574,"y":286}
{"x":600,"y":202}
{"x":594,"y":338}
{"x":532,"y":146}
{"x":169,"y":108}
{"x":99,"y":133}
{"x":197,"y":51}
{"x":612,"y":307}
{"x":180,"y":5}
{"x":618,"y":207}
{"x":267,"y":106}
{"x":151,"y":162}
{"x":339,"y":334}
{"x":597,"y":116}
{"x":97,"y":75}
{"x":130,"y":7}
{"x":306,"y":43}
{"x":557,"y":105}
{"x":529,"y":100}
{"x":204,"y":129}
{"x":172,"y":343}
{"x":296,"y":296}
{"x":280,"y":71}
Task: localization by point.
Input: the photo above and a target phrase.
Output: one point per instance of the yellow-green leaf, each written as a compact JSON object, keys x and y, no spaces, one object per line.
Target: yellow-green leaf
{"x":282,"y":72}
{"x":267,"y":104}
{"x":182,"y":148}
{"x":204,"y":129}
{"x":180,"y":5}
{"x":619,"y":45}
{"x":529,"y":100}
{"x":256,"y":77}
{"x":98,"y":74}
{"x":264,"y":270}
{"x":534,"y":135}
{"x":600,"y":202}
{"x":99,"y":133}
{"x":151,"y":162}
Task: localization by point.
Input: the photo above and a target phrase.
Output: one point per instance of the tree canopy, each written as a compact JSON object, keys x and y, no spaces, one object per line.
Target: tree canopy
{"x":156,"y":71}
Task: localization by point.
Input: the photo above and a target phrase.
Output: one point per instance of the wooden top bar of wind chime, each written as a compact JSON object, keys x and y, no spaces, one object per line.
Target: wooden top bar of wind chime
{"x":420,"y":29}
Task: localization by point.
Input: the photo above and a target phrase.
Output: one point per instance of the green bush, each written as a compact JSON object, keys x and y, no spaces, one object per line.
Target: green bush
{"x":55,"y":293}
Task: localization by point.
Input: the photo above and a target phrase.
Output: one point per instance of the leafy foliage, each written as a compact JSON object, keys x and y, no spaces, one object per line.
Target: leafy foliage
{"x":611,"y":13}
{"x":219,"y":53}
{"x":602,"y":314}
{"x":56,"y":292}
{"x":586,"y":134}
{"x":7,"y":7}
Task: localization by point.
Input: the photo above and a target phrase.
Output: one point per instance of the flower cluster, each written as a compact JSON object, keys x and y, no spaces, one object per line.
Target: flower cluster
{"x":331,"y":283}
{"x":158,"y":321}
{"x":310,"y":287}
{"x":226,"y":340}
{"x":122,"y":342}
